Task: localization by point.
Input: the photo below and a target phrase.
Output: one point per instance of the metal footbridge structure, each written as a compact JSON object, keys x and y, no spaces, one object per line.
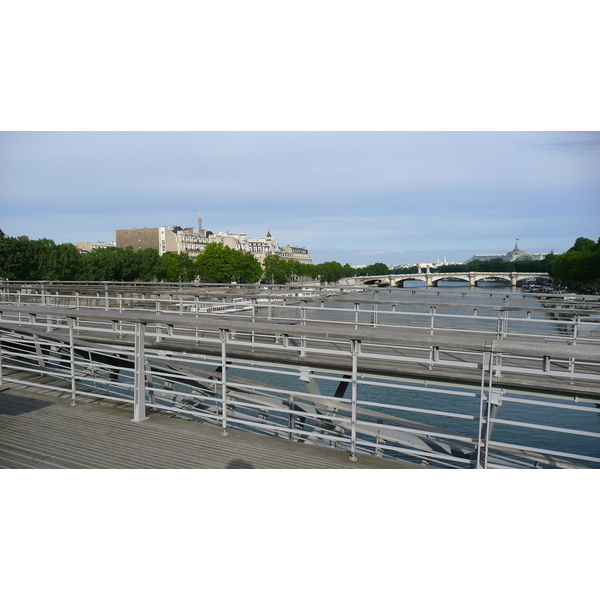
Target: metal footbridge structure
{"x":497,"y":382}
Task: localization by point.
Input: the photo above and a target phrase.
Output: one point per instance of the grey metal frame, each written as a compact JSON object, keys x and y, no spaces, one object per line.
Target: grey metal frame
{"x":343,"y":352}
{"x":505,"y":320}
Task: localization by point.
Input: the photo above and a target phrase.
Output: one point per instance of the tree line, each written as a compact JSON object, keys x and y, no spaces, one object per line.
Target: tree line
{"x":579,"y":264}
{"x":25,"y":259}
{"x":497,"y":265}
{"x":29,"y":260}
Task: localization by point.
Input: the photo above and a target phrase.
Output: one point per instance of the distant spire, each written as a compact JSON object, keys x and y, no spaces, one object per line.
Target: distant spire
{"x":269,"y":233}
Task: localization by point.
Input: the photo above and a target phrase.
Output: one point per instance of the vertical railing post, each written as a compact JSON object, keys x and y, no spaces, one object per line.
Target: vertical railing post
{"x":71,"y":324}
{"x":224,"y":335}
{"x":157,"y":327}
{"x":291,"y":419}
{"x":576,"y":320}
{"x":139,"y":378}
{"x":492,"y":405}
{"x":484,"y":401}
{"x":254,"y":308}
{"x":355,"y":349}
{"x":303,"y":323}
{"x":500,"y":328}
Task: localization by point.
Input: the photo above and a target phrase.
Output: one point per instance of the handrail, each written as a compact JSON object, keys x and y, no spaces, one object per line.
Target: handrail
{"x":36,"y":339}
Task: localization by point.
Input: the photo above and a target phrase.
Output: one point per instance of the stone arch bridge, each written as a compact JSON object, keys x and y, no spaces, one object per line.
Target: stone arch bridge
{"x":432,"y":279}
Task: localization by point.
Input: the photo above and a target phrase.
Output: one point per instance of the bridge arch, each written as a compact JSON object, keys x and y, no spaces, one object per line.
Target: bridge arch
{"x":533,"y":277}
{"x":505,"y":278}
{"x":435,"y":279}
{"x":399,"y":282}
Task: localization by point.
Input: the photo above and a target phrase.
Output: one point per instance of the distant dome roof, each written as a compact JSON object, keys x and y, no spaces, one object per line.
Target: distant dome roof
{"x":523,"y":256}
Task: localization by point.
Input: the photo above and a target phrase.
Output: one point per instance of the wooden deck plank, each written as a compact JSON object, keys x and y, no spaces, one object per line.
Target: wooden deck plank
{"x":44,"y":432}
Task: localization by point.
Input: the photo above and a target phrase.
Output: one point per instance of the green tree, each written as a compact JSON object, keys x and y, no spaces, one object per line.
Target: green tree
{"x":150,"y":265}
{"x":63,"y":263}
{"x":179,"y":267}
{"x":579,"y":264}
{"x":277,"y":270}
{"x":584,"y":245}
{"x":109,"y":264}
{"x":305,"y":270}
{"x":217,"y":263}
{"x":247,"y":268}
{"x":330,"y":271}
{"x":14,"y":257}
{"x":378,"y":269}
{"x":25,"y":259}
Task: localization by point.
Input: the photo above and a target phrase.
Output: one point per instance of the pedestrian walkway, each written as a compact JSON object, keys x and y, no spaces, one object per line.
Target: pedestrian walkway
{"x":40,"y":429}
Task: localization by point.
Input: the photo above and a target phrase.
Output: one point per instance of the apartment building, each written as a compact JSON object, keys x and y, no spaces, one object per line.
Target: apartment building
{"x":185,"y":239}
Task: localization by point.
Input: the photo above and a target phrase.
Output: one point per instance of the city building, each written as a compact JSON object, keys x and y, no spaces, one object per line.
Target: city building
{"x":87,"y":247}
{"x":162,"y":239}
{"x":185,"y":239}
{"x":297,"y":253}
{"x":433,"y":265}
{"x":514,"y":255}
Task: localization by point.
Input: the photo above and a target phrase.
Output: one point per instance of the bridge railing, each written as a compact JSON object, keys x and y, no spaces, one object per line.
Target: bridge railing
{"x":557,"y":320}
{"x":452,"y":402}
{"x":436,"y":318}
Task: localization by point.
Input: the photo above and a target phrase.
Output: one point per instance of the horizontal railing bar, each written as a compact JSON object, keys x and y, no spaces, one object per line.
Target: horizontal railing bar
{"x":550,"y":404}
{"x":499,"y":445}
{"x":401,"y":386}
{"x":545,"y":427}
{"x":417,"y":410}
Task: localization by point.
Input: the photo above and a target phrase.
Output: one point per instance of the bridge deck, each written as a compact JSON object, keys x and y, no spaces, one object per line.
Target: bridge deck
{"x":42,"y":430}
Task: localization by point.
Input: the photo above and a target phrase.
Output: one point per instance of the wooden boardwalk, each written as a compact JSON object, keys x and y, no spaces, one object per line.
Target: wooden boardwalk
{"x":41,"y":430}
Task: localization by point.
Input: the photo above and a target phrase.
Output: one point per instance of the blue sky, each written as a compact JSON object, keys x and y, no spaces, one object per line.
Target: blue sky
{"x":363,"y":135}
{"x":357,"y":197}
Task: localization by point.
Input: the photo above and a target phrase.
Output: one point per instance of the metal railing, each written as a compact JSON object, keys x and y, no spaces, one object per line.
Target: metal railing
{"x":577,"y":320}
{"x":363,"y":386}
